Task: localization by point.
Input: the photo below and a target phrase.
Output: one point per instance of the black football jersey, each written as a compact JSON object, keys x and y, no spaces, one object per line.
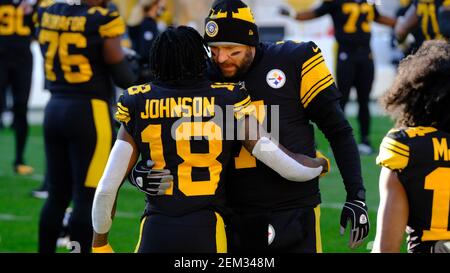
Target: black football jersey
{"x":352,"y":20}
{"x":421,"y":157}
{"x":16,"y":23}
{"x":427,"y":11}
{"x":188,"y":131}
{"x":284,"y":92}
{"x":71,"y":39}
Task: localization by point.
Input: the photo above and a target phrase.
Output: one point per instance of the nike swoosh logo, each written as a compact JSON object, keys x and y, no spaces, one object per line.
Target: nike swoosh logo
{"x":315,"y":49}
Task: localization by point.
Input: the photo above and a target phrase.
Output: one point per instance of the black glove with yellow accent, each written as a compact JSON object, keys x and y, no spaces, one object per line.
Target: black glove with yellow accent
{"x":152,"y":182}
{"x":355,"y":211}
{"x":325,"y":170}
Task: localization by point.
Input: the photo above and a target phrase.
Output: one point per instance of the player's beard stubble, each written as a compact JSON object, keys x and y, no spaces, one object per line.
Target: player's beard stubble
{"x":241,"y":68}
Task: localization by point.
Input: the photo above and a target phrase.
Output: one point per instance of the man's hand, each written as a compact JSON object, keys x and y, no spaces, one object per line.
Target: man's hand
{"x":355,"y":211}
{"x":103,"y":249}
{"x":152,"y":182}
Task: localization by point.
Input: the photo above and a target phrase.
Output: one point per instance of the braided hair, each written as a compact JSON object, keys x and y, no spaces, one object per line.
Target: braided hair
{"x":178,"y":54}
{"x":420,"y":95}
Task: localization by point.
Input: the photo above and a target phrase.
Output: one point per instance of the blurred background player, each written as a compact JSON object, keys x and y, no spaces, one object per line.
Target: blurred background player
{"x":142,"y":30}
{"x":415,"y":177}
{"x":421,"y":19}
{"x":196,"y":151}
{"x":16,"y":67}
{"x":82,"y":53}
{"x":294,"y":78}
{"x":444,"y":19}
{"x":352,"y":21}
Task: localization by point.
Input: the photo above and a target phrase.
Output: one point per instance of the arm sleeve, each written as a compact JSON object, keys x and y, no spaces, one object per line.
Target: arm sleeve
{"x":315,"y":76}
{"x":332,"y":122}
{"x":326,"y":7}
{"x":377,"y":13}
{"x":122,"y":74}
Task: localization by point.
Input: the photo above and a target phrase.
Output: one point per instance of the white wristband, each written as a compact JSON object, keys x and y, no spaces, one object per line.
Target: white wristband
{"x":270,"y":154}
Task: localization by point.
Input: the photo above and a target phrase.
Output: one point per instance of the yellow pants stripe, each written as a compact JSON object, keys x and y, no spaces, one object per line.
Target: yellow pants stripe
{"x":221,"y":237}
{"x":318,"y":234}
{"x":103,"y":130}
{"x":140,"y":234}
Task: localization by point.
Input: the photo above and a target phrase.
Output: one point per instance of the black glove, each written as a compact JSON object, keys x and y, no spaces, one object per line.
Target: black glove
{"x":286,"y":11}
{"x":355,"y":211}
{"x":152,"y":182}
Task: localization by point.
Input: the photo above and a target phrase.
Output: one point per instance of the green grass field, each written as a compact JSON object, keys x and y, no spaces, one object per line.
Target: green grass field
{"x":19,"y":212}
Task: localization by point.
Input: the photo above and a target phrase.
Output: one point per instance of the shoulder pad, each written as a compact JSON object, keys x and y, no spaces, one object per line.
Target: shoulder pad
{"x":394,"y":150}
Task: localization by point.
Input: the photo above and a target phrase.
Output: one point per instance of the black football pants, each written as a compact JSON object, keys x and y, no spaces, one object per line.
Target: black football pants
{"x":16,"y":67}
{"x":78,"y":138}
{"x":355,"y":68}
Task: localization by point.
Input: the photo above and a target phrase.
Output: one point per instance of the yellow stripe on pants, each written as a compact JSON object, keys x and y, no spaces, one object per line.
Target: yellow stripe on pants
{"x":221,"y":237}
{"x":100,"y":111}
{"x":318,"y":235}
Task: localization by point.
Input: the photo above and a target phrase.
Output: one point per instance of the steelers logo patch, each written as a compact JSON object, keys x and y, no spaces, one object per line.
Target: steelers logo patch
{"x":212,"y":29}
{"x":276,"y":78}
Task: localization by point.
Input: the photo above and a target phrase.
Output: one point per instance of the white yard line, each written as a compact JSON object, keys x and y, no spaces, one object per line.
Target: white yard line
{"x":339,"y":206}
{"x":11,"y":217}
{"x":128,"y":215}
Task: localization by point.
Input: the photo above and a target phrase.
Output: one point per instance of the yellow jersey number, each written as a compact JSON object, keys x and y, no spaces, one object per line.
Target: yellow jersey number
{"x":59,"y":44}
{"x":427,"y":12}
{"x":354,"y":11}
{"x":245,"y":159}
{"x":11,"y":21}
{"x":439,"y":182}
{"x":183,"y":133}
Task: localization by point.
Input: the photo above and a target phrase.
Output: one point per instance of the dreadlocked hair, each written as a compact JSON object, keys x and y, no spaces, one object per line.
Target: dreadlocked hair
{"x":178,"y":54}
{"x":420,"y":95}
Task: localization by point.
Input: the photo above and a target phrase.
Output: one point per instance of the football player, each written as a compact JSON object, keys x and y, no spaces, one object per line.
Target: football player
{"x":16,"y":65}
{"x":293,"y":78}
{"x":415,"y":157}
{"x":352,"y":21}
{"x":175,"y":121}
{"x":423,"y":15}
{"x":143,"y":29}
{"x":81,"y":48}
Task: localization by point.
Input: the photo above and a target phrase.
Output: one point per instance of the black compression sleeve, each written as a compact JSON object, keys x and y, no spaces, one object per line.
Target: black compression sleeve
{"x":122,"y":75}
{"x":332,"y":122}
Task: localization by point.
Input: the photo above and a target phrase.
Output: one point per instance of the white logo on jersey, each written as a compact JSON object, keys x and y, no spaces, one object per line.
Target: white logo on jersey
{"x":139,"y":181}
{"x":271,"y":234}
{"x":276,"y":78}
{"x":362,"y":219}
